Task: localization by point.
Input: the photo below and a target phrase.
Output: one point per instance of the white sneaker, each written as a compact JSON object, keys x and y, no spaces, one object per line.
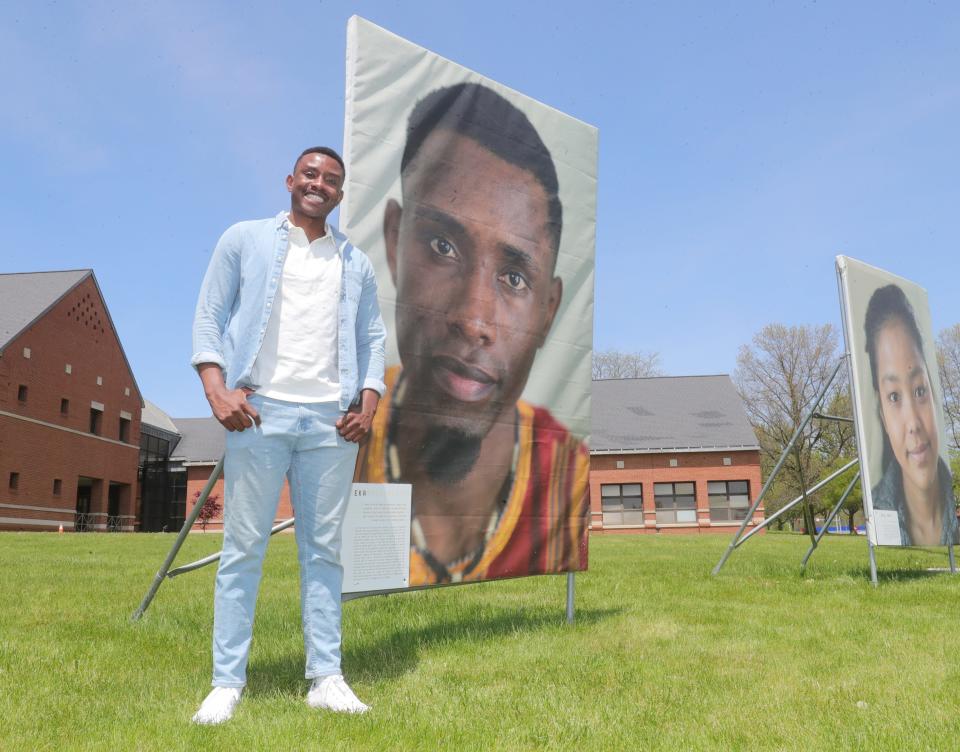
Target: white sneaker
{"x":219,"y":706}
{"x":332,"y":693}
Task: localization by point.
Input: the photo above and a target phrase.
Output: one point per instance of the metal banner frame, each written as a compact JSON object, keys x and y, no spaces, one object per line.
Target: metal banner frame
{"x":740,"y":538}
{"x":853,"y":383}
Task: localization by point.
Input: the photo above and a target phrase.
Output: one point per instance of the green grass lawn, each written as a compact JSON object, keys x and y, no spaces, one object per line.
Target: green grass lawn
{"x":662,"y":656}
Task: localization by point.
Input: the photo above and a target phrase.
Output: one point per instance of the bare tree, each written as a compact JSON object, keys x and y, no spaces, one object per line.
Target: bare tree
{"x":948,"y":360}
{"x":837,"y":446}
{"x":614,"y":364}
{"x":778,"y":377}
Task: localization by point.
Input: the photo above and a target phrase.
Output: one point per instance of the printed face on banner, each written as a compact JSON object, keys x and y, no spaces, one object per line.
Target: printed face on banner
{"x":462,"y":210}
{"x":472,"y":260}
{"x":896,"y":388}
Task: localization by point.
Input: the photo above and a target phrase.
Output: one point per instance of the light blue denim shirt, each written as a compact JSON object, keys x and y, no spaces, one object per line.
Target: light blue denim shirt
{"x":237,"y":296}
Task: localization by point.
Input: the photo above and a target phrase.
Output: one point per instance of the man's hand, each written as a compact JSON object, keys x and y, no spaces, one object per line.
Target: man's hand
{"x":229,"y":406}
{"x":356,"y":423}
{"x":233,"y":411}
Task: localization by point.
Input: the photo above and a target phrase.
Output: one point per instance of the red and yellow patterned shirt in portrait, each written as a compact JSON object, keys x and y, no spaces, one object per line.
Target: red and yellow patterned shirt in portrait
{"x":543,"y":526}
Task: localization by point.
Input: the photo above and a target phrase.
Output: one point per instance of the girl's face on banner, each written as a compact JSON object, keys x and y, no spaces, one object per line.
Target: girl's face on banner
{"x":906,"y":406}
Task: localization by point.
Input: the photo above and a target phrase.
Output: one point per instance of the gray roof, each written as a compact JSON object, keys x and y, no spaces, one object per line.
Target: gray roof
{"x":204,"y":440}
{"x":26,"y":296}
{"x":669,"y":413}
{"x":154,"y":416}
{"x":630,"y":415}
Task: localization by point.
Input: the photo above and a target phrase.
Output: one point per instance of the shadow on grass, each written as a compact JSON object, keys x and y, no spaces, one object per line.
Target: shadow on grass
{"x":399,"y":652}
{"x":926,"y":562}
{"x":901,"y":575}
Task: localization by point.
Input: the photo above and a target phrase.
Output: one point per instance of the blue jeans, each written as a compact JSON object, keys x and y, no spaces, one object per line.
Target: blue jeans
{"x":299,"y":442}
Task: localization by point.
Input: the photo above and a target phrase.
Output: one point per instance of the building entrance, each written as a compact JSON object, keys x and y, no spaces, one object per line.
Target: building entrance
{"x":83,"y":521}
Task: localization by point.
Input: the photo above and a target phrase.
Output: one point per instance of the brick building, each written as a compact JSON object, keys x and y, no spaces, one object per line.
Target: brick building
{"x":70,"y":408}
{"x":671,"y":454}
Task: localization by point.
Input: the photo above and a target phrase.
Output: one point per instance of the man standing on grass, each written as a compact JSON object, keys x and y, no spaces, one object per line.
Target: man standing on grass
{"x":288,"y":342}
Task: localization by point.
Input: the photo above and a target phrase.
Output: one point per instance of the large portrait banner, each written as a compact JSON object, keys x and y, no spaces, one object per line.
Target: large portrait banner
{"x":898,"y":408}
{"x":476,"y":205}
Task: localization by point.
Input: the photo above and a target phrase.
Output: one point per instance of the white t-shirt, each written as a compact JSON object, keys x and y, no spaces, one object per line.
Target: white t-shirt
{"x":297,"y":361}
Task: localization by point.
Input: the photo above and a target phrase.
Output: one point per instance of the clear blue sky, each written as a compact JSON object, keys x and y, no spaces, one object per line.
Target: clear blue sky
{"x":742,"y":146}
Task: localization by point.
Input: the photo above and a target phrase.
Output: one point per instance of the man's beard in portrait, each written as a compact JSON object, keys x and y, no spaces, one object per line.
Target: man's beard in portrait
{"x":448,"y":454}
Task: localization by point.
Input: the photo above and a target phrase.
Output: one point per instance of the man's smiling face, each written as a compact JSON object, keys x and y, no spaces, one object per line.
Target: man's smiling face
{"x":316,"y":186}
{"x":471,"y":256}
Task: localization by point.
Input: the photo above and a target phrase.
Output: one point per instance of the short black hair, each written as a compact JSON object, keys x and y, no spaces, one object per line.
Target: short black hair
{"x":479,"y":113}
{"x":321,"y":150}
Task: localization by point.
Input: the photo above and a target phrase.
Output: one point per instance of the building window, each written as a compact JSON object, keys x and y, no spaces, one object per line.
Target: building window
{"x":622,"y":504}
{"x":96,"y":417}
{"x":22,"y":393}
{"x":676,"y":503}
{"x":126,"y":391}
{"x":57,"y":486}
{"x":26,"y":352}
{"x":729,"y":500}
{"x":14,"y":481}
{"x":124,"y":430}
{"x":64,"y":406}
{"x":68,"y":368}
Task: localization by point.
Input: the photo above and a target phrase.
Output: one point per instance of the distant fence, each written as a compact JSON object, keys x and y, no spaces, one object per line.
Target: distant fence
{"x":85,"y":522}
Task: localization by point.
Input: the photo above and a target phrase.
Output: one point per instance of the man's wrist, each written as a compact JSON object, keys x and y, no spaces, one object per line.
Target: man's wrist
{"x":211,"y":376}
{"x":214,"y":390}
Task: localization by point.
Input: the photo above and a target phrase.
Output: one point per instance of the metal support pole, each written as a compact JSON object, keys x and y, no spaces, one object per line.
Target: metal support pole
{"x":873,"y":562}
{"x":953,"y":562}
{"x":827,"y":416}
{"x":830,"y":517}
{"x":776,"y":469}
{"x":813,"y":531}
{"x":569,"y":597}
{"x":216,"y":557}
{"x":187,"y":524}
{"x":788,"y":507}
